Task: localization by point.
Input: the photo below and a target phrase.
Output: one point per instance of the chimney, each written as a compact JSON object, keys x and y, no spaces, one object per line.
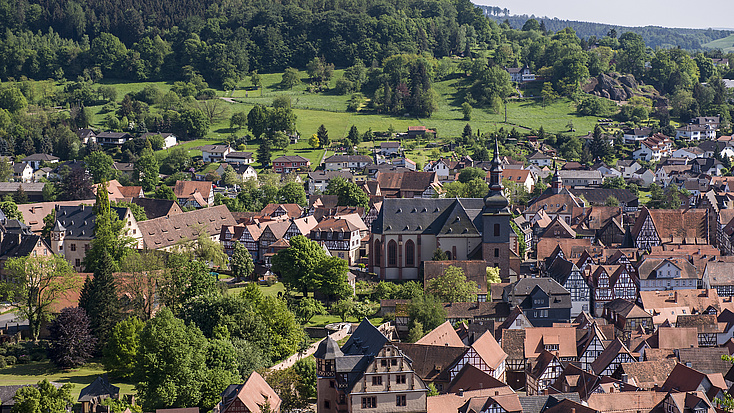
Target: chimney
{"x":675,"y":296}
{"x":573,"y":410}
{"x":460,"y":393}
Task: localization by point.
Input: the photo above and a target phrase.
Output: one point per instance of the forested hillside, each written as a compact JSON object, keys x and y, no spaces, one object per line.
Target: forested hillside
{"x":224,"y":39}
{"x":655,"y":36}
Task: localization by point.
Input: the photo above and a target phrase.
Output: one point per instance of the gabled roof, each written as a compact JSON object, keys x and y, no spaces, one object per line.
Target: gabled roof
{"x":185,"y":189}
{"x":215,"y":148}
{"x":252,"y":394}
{"x":707,"y":360}
{"x":42,"y":157}
{"x":79,"y":220}
{"x":168,"y":230}
{"x":488,"y":349}
{"x":685,"y":379}
{"x":156,"y":208}
{"x":626,"y":309}
{"x":536,"y":404}
{"x":328,"y":349}
{"x":291,"y":158}
{"x":471,"y":378}
{"x":646,"y":374}
{"x":423,"y":216}
{"x":536,"y":336}
{"x":432,"y":362}
{"x":292,"y":210}
{"x":675,"y":225}
{"x":131,"y":191}
{"x":100,"y":387}
{"x":365,"y":340}
{"x":608,"y":355}
{"x":695,"y":300}
{"x":626,"y":401}
{"x":443,"y":335}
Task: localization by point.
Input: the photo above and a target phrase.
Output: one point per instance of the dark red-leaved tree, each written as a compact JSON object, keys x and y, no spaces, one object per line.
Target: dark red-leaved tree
{"x":72,"y":342}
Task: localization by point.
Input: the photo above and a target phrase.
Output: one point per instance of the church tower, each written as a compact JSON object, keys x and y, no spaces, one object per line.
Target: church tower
{"x":557,"y":182}
{"x":496,"y":221}
{"x":57,"y":238}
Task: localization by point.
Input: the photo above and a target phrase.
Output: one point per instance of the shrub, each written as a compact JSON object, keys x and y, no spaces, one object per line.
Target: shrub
{"x":24,"y":359}
{"x":3,"y":363}
{"x":10,"y":360}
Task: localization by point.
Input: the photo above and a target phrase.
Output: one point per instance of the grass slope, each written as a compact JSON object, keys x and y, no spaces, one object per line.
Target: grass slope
{"x":726,"y":44}
{"x":32,"y":373}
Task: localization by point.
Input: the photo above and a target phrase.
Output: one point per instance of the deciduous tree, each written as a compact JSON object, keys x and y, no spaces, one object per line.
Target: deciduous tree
{"x":72,"y":342}
{"x":453,"y":287}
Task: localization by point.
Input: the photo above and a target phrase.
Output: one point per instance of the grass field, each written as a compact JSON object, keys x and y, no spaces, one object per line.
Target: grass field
{"x":32,"y":373}
{"x":273,"y":290}
{"x":329,"y":109}
{"x":726,"y":44}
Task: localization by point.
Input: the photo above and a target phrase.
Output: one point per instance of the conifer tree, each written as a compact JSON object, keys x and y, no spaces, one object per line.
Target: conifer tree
{"x":100,"y":300}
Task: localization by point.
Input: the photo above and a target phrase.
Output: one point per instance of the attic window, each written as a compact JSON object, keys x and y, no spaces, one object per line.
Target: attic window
{"x":414,"y":210}
{"x":399,"y":210}
{"x":436,"y":210}
{"x":424,"y":209}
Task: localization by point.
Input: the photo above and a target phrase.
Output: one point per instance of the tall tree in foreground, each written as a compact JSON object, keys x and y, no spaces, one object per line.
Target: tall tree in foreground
{"x":242,"y":265}
{"x":121,"y":349}
{"x":147,"y":169}
{"x":72,"y":342}
{"x":43,"y":398}
{"x":323,"y":136}
{"x":453,"y":287}
{"x":100,"y":300}
{"x":36,"y":284}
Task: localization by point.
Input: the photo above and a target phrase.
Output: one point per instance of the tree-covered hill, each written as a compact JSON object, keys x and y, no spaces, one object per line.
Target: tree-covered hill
{"x":655,"y":36}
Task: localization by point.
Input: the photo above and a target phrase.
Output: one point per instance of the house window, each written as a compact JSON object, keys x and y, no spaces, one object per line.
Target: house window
{"x":383,"y":363}
{"x":400,"y":400}
{"x":73,"y":247}
{"x":496,"y":230}
{"x":331,"y":384}
{"x":377,"y":380}
{"x":369,"y":402}
{"x":392,"y":254}
{"x":409,"y":254}
{"x":77,"y":262}
{"x":400,"y":379}
{"x":327,"y":405}
{"x":496,"y":252}
{"x":394,"y":362}
{"x":377,"y":253}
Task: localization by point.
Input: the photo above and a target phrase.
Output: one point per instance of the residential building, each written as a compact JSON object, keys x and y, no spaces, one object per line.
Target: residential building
{"x":37,"y":159}
{"x":610,"y":282}
{"x":409,"y":184}
{"x":113,"y":138}
{"x":290,"y":163}
{"x":627,"y":317}
{"x":197,"y":194}
{"x":416,"y":131}
{"x":611,"y":358}
{"x":73,"y":232}
{"x":350,"y":162}
{"x":169,"y":232}
{"x":244,"y":158}
{"x":636,"y":135}
{"x":719,"y":276}
{"x":341,"y":236}
{"x":663,"y":226}
{"x":574,"y":178}
{"x":368,"y":372}
{"x":92,"y":396}
{"x":132,"y":191}
{"x":391,"y":149}
{"x":249,"y":397}
{"x":658,"y":274}
{"x":156,"y":208}
{"x":540,"y":159}
{"x":627,"y":167}
{"x":215,"y":153}
{"x":520,"y":74}
{"x":542,"y":300}
{"x":243,"y":171}
{"x":169,"y":139}
{"x":654,"y":148}
{"x":568,"y":275}
{"x":542,"y":372}
{"x":695,"y":132}
{"x":22,"y":172}
{"x":319,"y":180}
{"x":519,"y":176}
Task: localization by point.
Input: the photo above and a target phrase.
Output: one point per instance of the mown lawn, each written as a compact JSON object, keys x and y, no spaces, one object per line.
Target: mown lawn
{"x":272,"y":290}
{"x":32,"y":373}
{"x":323,"y":320}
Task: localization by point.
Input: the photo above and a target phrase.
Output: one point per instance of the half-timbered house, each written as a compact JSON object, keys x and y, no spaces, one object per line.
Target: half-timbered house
{"x":672,"y":226}
{"x":272,"y":232}
{"x":627,"y":317}
{"x":609,"y":360}
{"x":706,"y":325}
{"x":567,"y":274}
{"x":513,"y":344}
{"x":591,"y":346}
{"x":484,"y":354}
{"x":248,"y":235}
{"x":542,"y":372}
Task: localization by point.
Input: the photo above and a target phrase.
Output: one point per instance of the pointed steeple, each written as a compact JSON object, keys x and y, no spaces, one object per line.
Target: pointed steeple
{"x":495,"y":200}
{"x":557,"y":182}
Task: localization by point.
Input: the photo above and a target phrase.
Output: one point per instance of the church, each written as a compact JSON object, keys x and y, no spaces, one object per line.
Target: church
{"x":408,"y":231}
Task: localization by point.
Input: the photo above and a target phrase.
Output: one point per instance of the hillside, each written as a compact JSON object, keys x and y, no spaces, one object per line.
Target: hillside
{"x":655,"y":36}
{"x":726,"y":44}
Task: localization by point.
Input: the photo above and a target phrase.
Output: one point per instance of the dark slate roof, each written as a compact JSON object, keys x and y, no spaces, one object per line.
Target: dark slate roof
{"x":99,"y":387}
{"x":348,"y":158}
{"x":707,"y":360}
{"x":40,"y":157}
{"x":428,"y":216}
{"x":525,"y":286}
{"x":432,"y":362}
{"x":561,"y":269}
{"x":79,"y":220}
{"x":156,"y":208}
{"x":13,"y":245}
{"x":598,"y":196}
{"x":536,"y":404}
{"x":366,"y":340}
{"x":14,"y":226}
{"x":328,"y":349}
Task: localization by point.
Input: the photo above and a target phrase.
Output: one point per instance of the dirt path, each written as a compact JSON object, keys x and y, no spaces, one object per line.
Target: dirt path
{"x":230,"y":100}
{"x":338,"y":335}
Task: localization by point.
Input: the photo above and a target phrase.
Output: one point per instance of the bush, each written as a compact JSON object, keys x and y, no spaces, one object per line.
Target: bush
{"x":10,"y":360}
{"x":3,"y":363}
{"x":596,"y":106}
{"x":24,"y":359}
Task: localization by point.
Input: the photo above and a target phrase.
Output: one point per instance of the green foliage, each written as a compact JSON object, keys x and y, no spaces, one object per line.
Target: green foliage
{"x":439,"y":255}
{"x":146,"y":170}
{"x":292,"y":193}
{"x":165,"y":192}
{"x":121,"y":351}
{"x":493,"y":276}
{"x":611,"y":201}
{"x":72,"y":343}
{"x":306,"y":308}
{"x":596,"y":106}
{"x":39,"y":282}
{"x":468,"y":174}
{"x":432,"y":391}
{"x":290,"y":78}
{"x":343,"y":308}
{"x":10,"y":209}
{"x":427,"y":310}
{"x":453,"y":287}
{"x":108,"y":236}
{"x":99,"y":165}
{"x":170,"y":367}
{"x":466,"y":109}
{"x":99,"y":298}
{"x":348,"y":193}
{"x":184,"y":280}
{"x":137,"y":211}
{"x":416,"y":332}
{"x":616,"y":182}
{"x":43,"y":398}
{"x":242,"y":264}
{"x":660,"y":199}
{"x":306,"y":370}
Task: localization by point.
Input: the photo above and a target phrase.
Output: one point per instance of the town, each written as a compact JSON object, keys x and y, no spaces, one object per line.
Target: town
{"x":418,"y":207}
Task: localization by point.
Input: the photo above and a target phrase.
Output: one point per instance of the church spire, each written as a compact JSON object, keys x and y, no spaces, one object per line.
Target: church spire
{"x":557,"y":182}
{"x":495,"y":200}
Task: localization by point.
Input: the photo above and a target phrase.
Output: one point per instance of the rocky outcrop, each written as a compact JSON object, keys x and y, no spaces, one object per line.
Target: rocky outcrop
{"x":620,"y":88}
